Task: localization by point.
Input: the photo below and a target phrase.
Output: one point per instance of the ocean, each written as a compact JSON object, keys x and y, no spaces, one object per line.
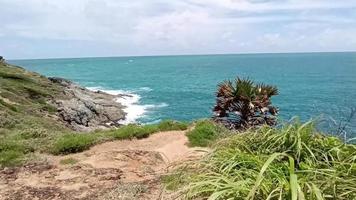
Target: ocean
{"x":312,"y":85}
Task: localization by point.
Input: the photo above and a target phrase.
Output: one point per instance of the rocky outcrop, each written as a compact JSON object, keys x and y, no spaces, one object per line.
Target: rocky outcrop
{"x":86,"y":110}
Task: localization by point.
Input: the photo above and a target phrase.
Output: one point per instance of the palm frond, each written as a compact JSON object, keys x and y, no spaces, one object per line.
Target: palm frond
{"x":249,"y":102}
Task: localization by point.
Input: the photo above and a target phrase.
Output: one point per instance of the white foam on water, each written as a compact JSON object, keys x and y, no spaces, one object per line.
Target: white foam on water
{"x":145,"y":89}
{"x":131,"y":101}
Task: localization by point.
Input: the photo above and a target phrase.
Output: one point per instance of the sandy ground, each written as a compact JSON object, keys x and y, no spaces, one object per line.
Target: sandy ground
{"x":129,"y":169}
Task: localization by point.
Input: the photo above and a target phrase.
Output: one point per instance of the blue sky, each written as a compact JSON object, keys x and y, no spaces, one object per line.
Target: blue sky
{"x":86,"y":28}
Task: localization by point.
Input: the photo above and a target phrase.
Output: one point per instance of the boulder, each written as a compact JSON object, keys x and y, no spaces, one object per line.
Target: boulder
{"x":86,"y":110}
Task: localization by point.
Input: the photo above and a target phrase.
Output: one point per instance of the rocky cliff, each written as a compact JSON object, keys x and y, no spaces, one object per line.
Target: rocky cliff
{"x":84,"y":109}
{"x":26,"y":97}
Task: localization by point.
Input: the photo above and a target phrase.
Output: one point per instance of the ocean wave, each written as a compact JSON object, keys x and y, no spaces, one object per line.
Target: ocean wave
{"x":133,"y":109}
{"x":145,"y":89}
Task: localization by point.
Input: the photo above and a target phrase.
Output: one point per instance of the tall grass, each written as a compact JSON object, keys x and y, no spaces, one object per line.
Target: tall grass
{"x":294,"y":162}
{"x":205,"y":133}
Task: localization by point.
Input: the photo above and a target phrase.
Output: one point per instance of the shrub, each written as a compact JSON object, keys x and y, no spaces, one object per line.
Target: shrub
{"x":34,"y":133}
{"x":170,"y":125}
{"x":10,"y":158}
{"x":204,"y":133}
{"x":132,"y":131}
{"x":73,"y":143}
{"x":11,"y":152}
{"x":7,"y":144}
{"x":8,"y":121}
{"x":49,"y":108}
{"x":294,"y":162}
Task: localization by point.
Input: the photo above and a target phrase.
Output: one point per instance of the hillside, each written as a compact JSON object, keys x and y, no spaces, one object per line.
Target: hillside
{"x":24,"y":99}
{"x":35,"y":111}
{"x":29,"y":98}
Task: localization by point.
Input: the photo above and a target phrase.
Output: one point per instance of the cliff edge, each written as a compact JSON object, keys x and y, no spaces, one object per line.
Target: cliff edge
{"x":26,"y":97}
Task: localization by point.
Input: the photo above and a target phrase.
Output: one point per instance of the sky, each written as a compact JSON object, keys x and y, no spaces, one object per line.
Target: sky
{"x":96,"y":28}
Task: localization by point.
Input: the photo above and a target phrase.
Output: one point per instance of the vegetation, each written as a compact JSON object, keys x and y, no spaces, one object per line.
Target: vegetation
{"x":23,"y":105}
{"x":293,"y":162}
{"x":73,"y":143}
{"x":205,"y":133}
{"x":77,"y":142}
{"x":68,"y":161}
{"x":242,"y":104}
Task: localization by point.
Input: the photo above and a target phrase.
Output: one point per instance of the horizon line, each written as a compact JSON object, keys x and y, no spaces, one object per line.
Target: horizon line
{"x":177,"y":55}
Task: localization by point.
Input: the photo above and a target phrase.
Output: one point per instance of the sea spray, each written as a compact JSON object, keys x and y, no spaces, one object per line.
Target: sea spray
{"x":133,"y":109}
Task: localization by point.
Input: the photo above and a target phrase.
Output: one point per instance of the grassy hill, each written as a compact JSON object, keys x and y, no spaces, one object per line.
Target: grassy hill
{"x":24,"y":99}
{"x":27,"y":120}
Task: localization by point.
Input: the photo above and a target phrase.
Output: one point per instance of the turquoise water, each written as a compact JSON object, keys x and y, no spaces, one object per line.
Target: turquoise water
{"x":182,"y":87}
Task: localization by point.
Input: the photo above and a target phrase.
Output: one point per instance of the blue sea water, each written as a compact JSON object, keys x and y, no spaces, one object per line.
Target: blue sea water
{"x":183,"y":87}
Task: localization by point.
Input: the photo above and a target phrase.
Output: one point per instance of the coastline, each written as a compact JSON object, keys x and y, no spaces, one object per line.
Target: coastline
{"x":131,"y":100}
{"x":52,"y":98}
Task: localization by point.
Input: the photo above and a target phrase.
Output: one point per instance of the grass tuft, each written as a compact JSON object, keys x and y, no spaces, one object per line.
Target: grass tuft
{"x":73,"y":143}
{"x":10,"y":158}
{"x":204,"y":133}
{"x":293,"y":162}
{"x":170,"y":125}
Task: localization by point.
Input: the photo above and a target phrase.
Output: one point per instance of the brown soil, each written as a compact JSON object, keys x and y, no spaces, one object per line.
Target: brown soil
{"x":128,"y":169}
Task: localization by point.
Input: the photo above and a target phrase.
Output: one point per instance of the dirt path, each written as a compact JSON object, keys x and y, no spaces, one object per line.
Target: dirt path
{"x":128,"y":169}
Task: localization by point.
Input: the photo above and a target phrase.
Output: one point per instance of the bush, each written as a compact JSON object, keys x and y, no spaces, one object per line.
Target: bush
{"x":204,"y":133}
{"x":7,"y":144}
{"x":294,"y":162}
{"x":133,"y":131}
{"x":170,"y":125}
{"x":10,"y":158}
{"x":11,"y":152}
{"x":73,"y":143}
{"x":34,"y":133}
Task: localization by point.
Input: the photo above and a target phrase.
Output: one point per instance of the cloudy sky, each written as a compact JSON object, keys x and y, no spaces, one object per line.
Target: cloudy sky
{"x":86,"y":28}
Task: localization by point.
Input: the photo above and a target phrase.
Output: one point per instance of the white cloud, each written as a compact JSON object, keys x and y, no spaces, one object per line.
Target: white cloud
{"x":175,"y":27}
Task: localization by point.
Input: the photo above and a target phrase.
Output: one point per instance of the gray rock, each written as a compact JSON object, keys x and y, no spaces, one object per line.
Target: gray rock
{"x":86,"y":110}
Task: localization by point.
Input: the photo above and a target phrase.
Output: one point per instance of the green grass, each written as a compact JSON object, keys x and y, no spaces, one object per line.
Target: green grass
{"x":74,"y":142}
{"x":293,"y":162}
{"x":36,"y":137}
{"x":170,"y":125}
{"x":205,"y":133}
{"x":24,"y":125}
{"x":173,"y":181}
{"x":68,"y":161}
{"x":12,"y":152}
{"x":9,"y":158}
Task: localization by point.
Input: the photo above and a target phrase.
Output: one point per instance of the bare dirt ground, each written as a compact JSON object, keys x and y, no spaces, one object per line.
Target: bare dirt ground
{"x":129,"y":169}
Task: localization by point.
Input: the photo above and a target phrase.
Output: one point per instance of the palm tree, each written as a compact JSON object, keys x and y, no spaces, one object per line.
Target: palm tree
{"x":242,"y":104}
